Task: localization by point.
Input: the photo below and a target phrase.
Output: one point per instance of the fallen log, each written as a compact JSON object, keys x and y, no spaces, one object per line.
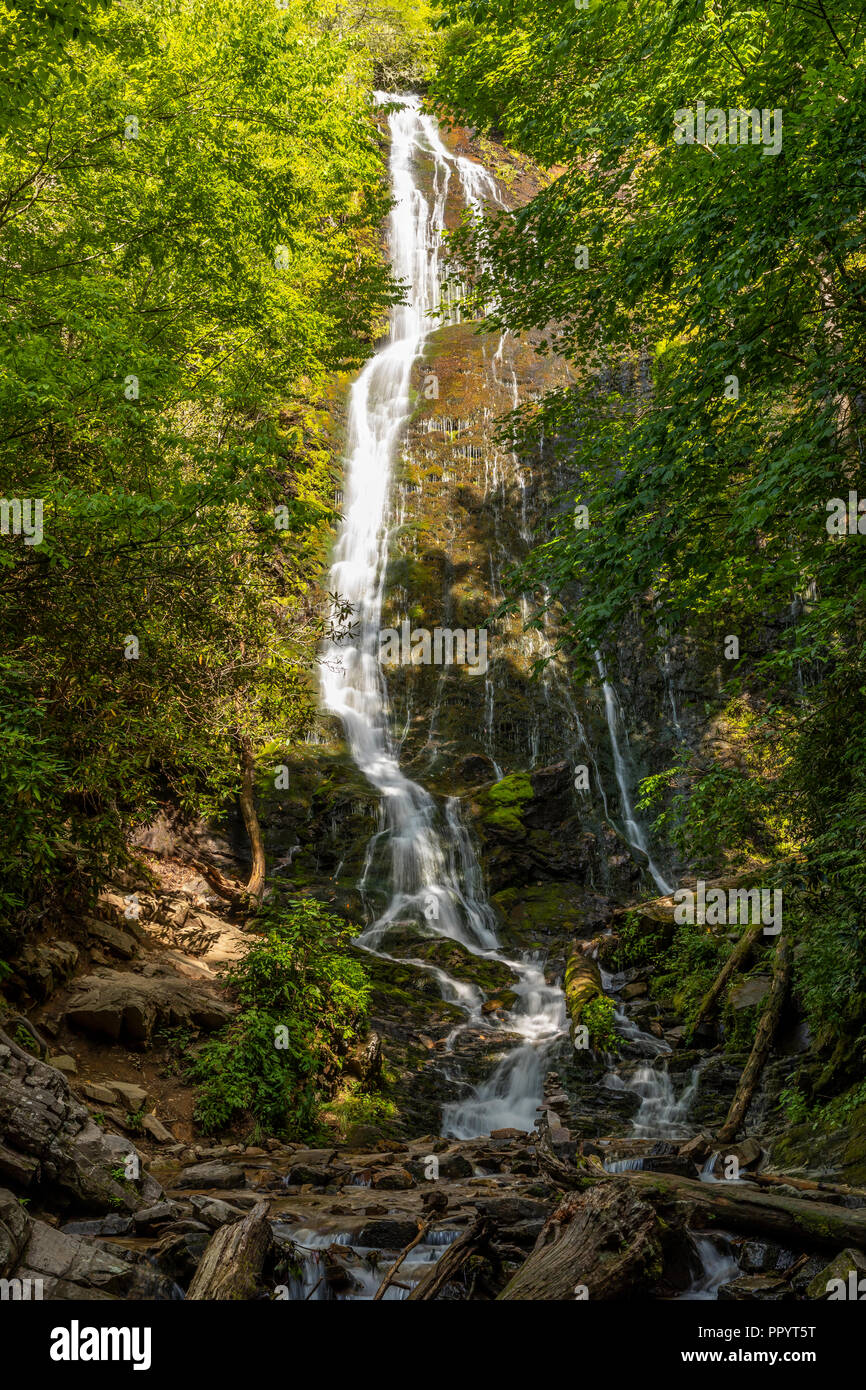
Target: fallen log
{"x":601,"y":1244}
{"x":231,"y":1266}
{"x":737,"y":958}
{"x":766,"y":1031}
{"x":794,"y":1221}
{"x":835,"y":1189}
{"x":473,"y":1240}
{"x":582,"y":983}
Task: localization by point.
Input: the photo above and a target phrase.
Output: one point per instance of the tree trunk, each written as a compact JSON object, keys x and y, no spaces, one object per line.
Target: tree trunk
{"x":232,"y":1263}
{"x":582,"y":983}
{"x":245,"y":898}
{"x":737,"y":958}
{"x":794,"y":1221}
{"x":767,"y":1025}
{"x":597,"y":1245}
{"x":256,"y":883}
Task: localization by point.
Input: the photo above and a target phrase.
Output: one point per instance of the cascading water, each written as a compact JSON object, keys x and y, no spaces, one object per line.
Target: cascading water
{"x":435,"y":879}
{"x":633,"y":829}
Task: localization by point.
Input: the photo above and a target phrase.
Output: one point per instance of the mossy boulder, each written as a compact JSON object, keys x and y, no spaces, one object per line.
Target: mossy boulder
{"x":546,"y":916}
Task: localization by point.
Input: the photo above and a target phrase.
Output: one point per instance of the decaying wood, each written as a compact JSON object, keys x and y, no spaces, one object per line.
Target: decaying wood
{"x":232,"y":1263}
{"x":596,"y":1245}
{"x":735,"y":960}
{"x":836,"y":1189}
{"x":793,"y":1221}
{"x":766,"y":1031}
{"x":423,"y":1228}
{"x":473,"y":1239}
{"x":582,"y":983}
{"x":567,"y":1175}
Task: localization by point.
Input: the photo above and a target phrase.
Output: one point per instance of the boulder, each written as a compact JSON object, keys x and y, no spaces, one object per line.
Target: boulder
{"x":757,"y":1288}
{"x":112,"y":1225}
{"x":134,"y":1097}
{"x":455,"y":1166}
{"x":64,"y":1063}
{"x":14,"y":1231}
{"x":155,"y":1129}
{"x":102,"y":1095}
{"x":389,"y":1233}
{"x":392,"y":1180}
{"x":841,"y":1277}
{"x":42,"y":968}
{"x":68,"y":1267}
{"x":150,"y":1218}
{"x":219,"y":1175}
{"x":114,"y":939}
{"x":634,"y":990}
{"x":215,"y":1213}
{"x":301,"y":1173}
{"x":129,"y":1007}
{"x":60,"y":1152}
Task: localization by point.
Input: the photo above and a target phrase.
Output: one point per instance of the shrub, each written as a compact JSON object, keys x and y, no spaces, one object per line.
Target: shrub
{"x":302,"y":999}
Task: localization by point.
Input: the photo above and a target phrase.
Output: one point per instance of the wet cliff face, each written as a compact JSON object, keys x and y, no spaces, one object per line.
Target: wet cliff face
{"x":516,"y":734}
{"x":506,"y":732}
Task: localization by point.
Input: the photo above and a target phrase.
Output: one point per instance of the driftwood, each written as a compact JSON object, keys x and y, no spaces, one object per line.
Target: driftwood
{"x":598,"y":1245}
{"x":582,"y":983}
{"x":737,"y":958}
{"x":567,"y":1175}
{"x":766,"y":1031}
{"x":473,"y":1239}
{"x":232,"y":1263}
{"x":423,"y":1228}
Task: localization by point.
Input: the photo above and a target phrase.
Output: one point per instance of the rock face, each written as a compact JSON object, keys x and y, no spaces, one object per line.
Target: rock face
{"x":128,"y":1007}
{"x":52,"y":1147}
{"x":56,"y":1265}
{"x":41,"y":969}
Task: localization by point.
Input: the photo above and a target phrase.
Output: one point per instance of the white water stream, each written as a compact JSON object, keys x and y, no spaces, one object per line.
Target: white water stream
{"x":434,"y":875}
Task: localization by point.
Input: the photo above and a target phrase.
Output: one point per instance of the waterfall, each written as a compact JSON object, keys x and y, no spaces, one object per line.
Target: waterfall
{"x":633,"y":830}
{"x":435,"y":879}
{"x":718,"y":1267}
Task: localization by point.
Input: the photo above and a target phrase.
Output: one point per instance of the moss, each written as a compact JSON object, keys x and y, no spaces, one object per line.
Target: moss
{"x":502,"y":805}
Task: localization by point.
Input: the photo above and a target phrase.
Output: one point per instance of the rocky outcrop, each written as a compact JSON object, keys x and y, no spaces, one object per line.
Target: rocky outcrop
{"x":124,"y":1006}
{"x":52,"y":1148}
{"x":50,"y":1264}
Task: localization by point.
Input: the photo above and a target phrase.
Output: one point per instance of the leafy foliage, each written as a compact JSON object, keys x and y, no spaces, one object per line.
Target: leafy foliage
{"x":191,"y":197}
{"x":302,"y":999}
{"x":714,"y":329}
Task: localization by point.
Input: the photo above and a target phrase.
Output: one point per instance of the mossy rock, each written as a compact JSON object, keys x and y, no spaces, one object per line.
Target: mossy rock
{"x":501,"y":806}
{"x":537,"y":913}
